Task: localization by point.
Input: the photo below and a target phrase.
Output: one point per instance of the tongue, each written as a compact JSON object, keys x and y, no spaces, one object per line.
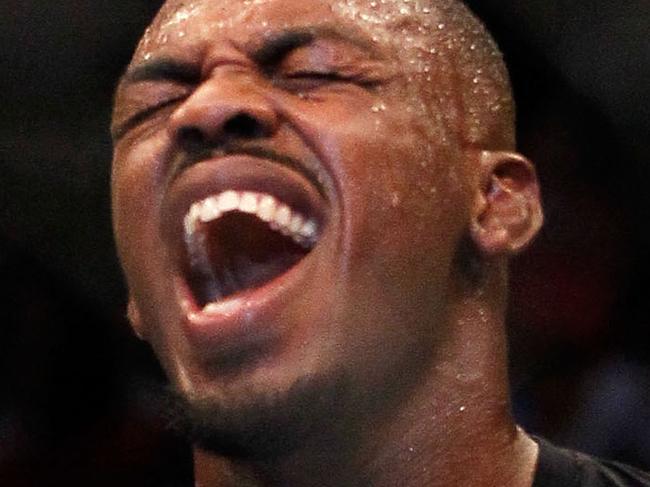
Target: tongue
{"x":243,"y":253}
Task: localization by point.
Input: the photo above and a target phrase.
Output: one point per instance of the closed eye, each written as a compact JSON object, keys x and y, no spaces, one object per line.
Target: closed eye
{"x":323,"y":75}
{"x":306,"y":80}
{"x":140,"y":116}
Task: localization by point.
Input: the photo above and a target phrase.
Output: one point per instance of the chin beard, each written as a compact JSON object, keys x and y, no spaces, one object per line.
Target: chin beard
{"x":262,"y":425}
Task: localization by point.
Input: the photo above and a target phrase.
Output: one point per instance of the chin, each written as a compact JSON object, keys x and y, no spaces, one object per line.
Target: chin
{"x":262,"y":424}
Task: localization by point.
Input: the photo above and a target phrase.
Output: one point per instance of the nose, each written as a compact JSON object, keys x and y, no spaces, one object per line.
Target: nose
{"x":223,"y":109}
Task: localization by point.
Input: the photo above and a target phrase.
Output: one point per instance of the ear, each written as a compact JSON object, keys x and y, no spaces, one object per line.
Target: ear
{"x":133,"y":315}
{"x":507,"y":213}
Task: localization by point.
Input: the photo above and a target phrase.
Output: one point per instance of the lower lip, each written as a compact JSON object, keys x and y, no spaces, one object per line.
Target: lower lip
{"x":245,"y":318}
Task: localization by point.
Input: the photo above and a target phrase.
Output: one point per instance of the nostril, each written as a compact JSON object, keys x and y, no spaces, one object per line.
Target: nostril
{"x":244,"y":126}
{"x":193,"y":138}
{"x":190,"y":137}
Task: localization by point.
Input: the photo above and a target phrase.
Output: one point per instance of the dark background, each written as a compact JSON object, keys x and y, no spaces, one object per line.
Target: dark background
{"x":77,"y":390}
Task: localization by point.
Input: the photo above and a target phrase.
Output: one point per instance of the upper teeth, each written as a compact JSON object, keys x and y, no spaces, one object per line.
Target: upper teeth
{"x":264,"y":206}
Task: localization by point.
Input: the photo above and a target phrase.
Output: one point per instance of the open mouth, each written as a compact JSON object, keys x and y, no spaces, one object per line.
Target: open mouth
{"x":237,"y":241}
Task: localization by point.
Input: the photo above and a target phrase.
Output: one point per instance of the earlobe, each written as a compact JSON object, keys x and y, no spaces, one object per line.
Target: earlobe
{"x":507,"y":213}
{"x":133,"y":315}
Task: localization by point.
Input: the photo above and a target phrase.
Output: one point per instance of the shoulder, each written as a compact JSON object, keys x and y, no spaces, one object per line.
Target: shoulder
{"x":559,"y":467}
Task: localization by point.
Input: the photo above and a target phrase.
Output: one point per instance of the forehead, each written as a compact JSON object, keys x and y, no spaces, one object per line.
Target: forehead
{"x":239,"y":13}
{"x":410,"y":24}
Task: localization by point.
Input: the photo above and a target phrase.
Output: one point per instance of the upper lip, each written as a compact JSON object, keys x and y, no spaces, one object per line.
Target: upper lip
{"x":185,"y":161}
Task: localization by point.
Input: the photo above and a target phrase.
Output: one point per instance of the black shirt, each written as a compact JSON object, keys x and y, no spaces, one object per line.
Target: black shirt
{"x":557,"y":467}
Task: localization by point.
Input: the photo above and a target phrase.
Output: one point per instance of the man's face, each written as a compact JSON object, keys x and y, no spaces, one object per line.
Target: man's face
{"x":319,"y":117}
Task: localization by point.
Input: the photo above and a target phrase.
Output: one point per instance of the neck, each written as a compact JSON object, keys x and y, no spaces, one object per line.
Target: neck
{"x":454,"y":429}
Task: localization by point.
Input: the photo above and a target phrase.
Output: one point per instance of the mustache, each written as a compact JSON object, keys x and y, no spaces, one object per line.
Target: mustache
{"x":188,"y":159}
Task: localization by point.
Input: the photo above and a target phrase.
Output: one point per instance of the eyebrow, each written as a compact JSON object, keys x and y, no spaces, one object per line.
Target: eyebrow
{"x":162,"y":69}
{"x":277,"y":46}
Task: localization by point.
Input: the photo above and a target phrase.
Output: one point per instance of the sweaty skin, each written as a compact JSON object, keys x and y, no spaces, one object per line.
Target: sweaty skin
{"x":378,"y":359}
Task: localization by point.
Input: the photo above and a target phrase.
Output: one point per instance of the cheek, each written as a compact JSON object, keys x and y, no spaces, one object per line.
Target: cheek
{"x":137,"y":189}
{"x":135,"y":200}
{"x":396,"y":187}
{"x":412,"y":212}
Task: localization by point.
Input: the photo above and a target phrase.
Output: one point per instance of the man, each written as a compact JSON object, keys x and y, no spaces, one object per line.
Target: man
{"x":314,"y":204}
